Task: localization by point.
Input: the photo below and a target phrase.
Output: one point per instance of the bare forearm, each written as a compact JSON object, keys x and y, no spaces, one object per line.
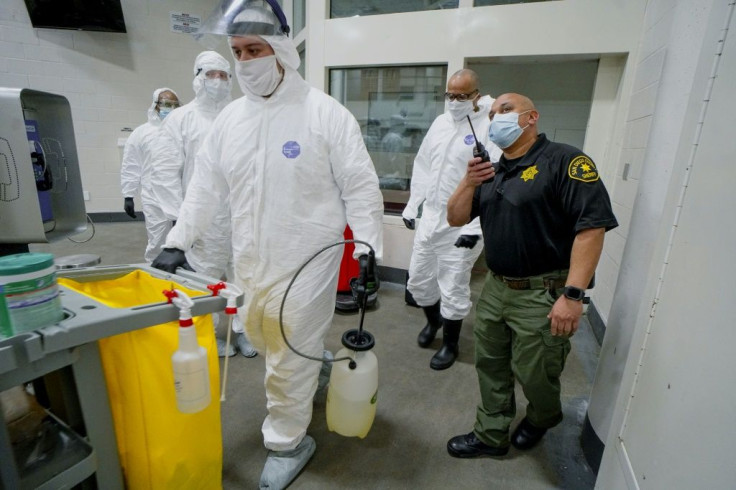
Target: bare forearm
{"x":586,"y":251}
{"x":460,"y":204}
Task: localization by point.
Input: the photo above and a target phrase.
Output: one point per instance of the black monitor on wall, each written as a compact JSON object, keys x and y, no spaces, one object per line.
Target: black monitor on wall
{"x":81,"y":15}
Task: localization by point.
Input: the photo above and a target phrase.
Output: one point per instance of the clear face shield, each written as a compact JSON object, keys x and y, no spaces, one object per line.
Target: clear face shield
{"x":242,"y":18}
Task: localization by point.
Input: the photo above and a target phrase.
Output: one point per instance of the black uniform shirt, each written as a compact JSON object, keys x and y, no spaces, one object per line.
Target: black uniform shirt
{"x":532,"y":210}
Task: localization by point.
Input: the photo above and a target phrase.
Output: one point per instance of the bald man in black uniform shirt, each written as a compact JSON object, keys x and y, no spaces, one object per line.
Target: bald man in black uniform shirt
{"x":544,"y":212}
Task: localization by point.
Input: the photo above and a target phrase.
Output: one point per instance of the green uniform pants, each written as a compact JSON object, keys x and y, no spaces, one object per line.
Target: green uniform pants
{"x":513,"y":340}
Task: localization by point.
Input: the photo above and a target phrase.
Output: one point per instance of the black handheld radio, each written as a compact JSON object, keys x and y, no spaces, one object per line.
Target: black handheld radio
{"x":479,"y":150}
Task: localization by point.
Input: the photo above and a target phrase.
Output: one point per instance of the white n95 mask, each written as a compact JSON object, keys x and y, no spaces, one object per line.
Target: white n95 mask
{"x":459,"y":110}
{"x":259,"y":76}
{"x":217,"y":89}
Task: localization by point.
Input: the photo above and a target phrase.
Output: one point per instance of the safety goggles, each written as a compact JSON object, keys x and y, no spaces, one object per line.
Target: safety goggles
{"x":167,"y":104}
{"x":216,"y":74}
{"x":460,"y":97}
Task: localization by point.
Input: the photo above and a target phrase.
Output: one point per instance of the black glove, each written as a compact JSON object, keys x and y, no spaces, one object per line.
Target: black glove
{"x":170,"y":259}
{"x":173,"y":223}
{"x":129,"y":207}
{"x":409,"y":223}
{"x":467,"y":241}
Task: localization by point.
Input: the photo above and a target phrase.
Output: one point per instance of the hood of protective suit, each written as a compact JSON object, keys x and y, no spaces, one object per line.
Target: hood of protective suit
{"x":153,"y":116}
{"x":286,"y":55}
{"x":206,"y":61}
{"x":283,"y":47}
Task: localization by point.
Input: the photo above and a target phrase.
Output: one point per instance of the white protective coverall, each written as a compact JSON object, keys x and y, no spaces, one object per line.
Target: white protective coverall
{"x":185,"y":130}
{"x":438,"y":269}
{"x":294,"y":169}
{"x":136,"y":172}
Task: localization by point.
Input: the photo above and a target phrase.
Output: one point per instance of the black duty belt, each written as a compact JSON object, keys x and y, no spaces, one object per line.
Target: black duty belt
{"x":535,"y":282}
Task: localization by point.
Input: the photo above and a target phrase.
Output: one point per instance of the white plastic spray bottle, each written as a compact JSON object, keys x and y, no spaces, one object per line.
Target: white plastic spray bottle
{"x":191,"y":371}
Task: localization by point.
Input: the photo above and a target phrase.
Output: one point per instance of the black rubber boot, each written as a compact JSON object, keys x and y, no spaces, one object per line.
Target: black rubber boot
{"x":445,"y":357}
{"x":434,"y":323}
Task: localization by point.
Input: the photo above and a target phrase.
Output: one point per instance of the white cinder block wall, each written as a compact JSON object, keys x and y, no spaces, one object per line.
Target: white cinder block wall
{"x":108,"y":78}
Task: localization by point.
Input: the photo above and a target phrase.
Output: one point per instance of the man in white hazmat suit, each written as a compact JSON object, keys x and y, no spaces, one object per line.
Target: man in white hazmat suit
{"x":291,"y":162}
{"x":135,"y":171}
{"x":443,"y":256}
{"x":174,"y":159}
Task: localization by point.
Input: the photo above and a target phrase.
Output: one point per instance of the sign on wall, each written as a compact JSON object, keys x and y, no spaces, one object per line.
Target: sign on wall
{"x":184,"y":23}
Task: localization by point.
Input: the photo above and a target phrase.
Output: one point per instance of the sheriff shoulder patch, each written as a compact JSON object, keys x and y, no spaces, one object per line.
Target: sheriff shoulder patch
{"x":582,"y":168}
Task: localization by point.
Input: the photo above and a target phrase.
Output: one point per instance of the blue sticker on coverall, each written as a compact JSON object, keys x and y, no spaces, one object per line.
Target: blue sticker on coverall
{"x":469,"y":140}
{"x":291,"y":149}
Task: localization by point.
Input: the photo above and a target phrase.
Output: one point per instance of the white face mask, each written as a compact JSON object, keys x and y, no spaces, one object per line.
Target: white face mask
{"x":459,"y":110}
{"x":259,"y":76}
{"x":217,"y":89}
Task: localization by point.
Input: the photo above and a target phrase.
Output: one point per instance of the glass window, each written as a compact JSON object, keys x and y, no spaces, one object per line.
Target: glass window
{"x":300,"y":15}
{"x":394,"y":106}
{"x":351,"y":8}
{"x":483,"y":3}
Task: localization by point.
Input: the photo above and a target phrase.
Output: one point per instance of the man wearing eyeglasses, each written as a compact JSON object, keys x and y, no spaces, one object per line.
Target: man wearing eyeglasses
{"x":443,"y":256}
{"x":544,"y":215}
{"x":135,"y":171}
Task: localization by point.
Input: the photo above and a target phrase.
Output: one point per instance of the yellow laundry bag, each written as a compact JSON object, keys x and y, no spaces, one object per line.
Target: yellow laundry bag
{"x":160,"y":447}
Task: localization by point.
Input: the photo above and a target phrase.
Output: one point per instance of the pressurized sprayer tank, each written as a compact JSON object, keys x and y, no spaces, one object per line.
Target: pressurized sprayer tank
{"x":353,"y":390}
{"x":191,"y":372}
{"x":352,"y":394}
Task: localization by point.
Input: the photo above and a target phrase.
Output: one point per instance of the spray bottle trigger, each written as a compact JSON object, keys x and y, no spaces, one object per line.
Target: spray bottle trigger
{"x":170,"y":295}
{"x":215,"y":288}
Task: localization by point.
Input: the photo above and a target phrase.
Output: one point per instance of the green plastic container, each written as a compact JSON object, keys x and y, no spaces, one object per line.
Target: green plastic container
{"x":29,"y":294}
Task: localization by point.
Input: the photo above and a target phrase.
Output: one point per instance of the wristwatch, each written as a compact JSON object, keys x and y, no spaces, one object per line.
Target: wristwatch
{"x":573,"y":293}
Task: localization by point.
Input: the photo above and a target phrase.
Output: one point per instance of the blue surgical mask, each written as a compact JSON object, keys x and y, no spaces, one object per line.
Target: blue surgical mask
{"x":505,"y":129}
{"x":162,"y":113}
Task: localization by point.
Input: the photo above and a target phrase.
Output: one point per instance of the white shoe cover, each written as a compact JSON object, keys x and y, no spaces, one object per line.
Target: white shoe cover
{"x":283,"y":466}
{"x":223,"y":349}
{"x":245,"y":347}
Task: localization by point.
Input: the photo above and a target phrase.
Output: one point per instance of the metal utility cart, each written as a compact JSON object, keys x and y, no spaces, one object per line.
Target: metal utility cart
{"x":69,"y":353}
